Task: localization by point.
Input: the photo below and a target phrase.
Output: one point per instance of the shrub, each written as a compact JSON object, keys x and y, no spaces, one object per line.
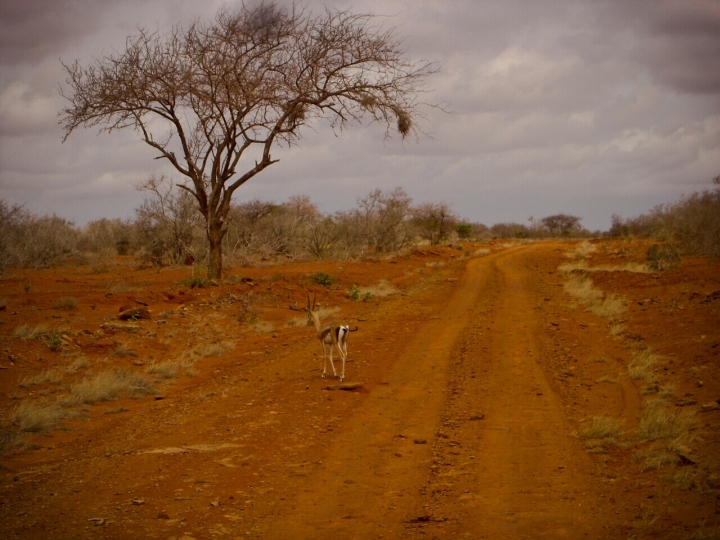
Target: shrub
{"x":434,"y":221}
{"x":662,"y":257}
{"x":354,"y":293}
{"x":321,"y":278}
{"x":464,"y":230}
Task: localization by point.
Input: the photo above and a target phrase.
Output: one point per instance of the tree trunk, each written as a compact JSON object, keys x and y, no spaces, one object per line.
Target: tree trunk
{"x":215,"y":236}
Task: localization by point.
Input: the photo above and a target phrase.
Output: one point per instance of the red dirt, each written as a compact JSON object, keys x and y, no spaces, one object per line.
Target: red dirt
{"x":475,"y":378}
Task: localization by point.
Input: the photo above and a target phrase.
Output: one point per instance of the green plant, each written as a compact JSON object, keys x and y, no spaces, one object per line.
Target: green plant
{"x":464,"y":230}
{"x":321,"y":278}
{"x":354,"y":292}
{"x":662,"y":257}
{"x":54,"y":341}
{"x":27,"y":287}
{"x":367,"y":296}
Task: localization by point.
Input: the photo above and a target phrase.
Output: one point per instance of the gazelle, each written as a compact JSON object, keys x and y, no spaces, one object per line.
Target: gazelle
{"x":330,"y":334}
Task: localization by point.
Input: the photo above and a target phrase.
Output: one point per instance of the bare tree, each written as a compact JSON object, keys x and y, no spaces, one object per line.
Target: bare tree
{"x":249,"y":79}
{"x":166,"y":224}
{"x":384,"y":219}
{"x":434,"y":221}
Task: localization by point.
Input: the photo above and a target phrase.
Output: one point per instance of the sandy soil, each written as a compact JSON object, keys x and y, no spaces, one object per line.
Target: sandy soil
{"x":471,"y":383}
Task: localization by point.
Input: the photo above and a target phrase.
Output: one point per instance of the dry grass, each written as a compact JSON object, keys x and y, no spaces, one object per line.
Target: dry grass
{"x":31,"y":333}
{"x":643,"y":366}
{"x":713,"y":534}
{"x":481,"y":252}
{"x":76,"y":365}
{"x":582,"y":288}
{"x":37,"y":417}
{"x":600,"y":427}
{"x":122,"y":350}
{"x":611,"y":307}
{"x":634,"y":267}
{"x":9,"y":441}
{"x":263,"y":327}
{"x":382,"y":288}
{"x":170,"y":368}
{"x":214,"y":349}
{"x":50,"y":376}
{"x":616,"y":329}
{"x":67,"y":302}
{"x":108,"y":385}
{"x":582,"y":251}
{"x":660,"y":422}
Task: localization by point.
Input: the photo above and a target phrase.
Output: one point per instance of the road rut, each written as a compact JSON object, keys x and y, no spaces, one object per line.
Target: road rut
{"x":466,"y":437}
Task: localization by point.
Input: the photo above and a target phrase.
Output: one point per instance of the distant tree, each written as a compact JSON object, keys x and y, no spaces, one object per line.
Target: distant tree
{"x":510,"y":230}
{"x":464,"y":230}
{"x":384,"y":219}
{"x":562,"y":224}
{"x":204,"y":96}
{"x":434,"y":221}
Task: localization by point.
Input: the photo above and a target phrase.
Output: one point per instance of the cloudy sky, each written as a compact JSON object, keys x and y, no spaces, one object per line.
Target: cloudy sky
{"x":587,"y":107}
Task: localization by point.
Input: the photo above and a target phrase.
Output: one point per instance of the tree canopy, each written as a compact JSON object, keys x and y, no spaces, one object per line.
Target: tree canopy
{"x":202,"y":97}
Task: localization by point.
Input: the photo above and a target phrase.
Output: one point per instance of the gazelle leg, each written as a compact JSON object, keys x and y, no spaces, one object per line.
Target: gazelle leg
{"x":342,"y":349}
{"x":332,"y":364}
{"x":324,"y":359}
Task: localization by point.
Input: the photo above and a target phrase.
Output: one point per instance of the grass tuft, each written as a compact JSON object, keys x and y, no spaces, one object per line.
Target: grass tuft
{"x":37,"y":417}
{"x":600,"y":427}
{"x":109,"y":385}
{"x":67,"y":302}
{"x":51,"y":376}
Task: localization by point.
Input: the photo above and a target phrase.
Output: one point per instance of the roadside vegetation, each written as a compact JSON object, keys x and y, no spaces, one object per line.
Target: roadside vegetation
{"x":663,"y":438}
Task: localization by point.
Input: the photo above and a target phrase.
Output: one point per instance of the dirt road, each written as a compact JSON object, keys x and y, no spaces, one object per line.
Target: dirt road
{"x":466,"y":438}
{"x":474,"y":377}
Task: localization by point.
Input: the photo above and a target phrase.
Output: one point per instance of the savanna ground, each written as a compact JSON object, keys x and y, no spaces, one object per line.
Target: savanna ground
{"x":540,"y":390}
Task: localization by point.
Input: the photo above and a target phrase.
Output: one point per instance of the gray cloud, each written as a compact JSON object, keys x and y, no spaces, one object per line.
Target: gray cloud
{"x":582,"y":106}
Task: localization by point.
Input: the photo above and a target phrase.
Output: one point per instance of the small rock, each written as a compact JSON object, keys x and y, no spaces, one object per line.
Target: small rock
{"x":712,"y":406}
{"x":215,"y":503}
{"x":713,"y":481}
{"x":479,"y":416}
{"x":134,"y":314}
{"x":163,"y":515}
{"x":159,"y":398}
{"x":699,"y":384}
{"x":685,"y":402}
{"x":687,"y":459}
{"x":98,"y":522}
{"x":137,"y":502}
{"x":420,"y":441}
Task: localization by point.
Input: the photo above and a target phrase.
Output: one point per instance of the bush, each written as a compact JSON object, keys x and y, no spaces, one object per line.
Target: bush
{"x":321,"y":278}
{"x":692,"y":224}
{"x":662,"y":257}
{"x":354,"y":293}
{"x":464,"y":230}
